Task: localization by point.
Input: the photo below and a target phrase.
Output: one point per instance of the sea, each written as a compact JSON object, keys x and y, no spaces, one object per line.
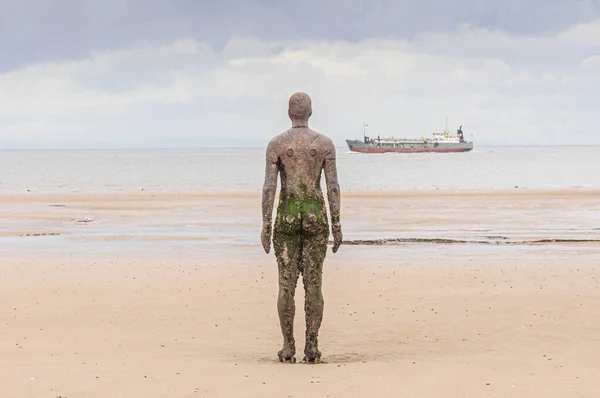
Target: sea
{"x":242,"y":169}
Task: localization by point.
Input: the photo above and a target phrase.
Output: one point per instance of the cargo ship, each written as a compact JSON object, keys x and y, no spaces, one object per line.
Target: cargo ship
{"x":439,"y":142}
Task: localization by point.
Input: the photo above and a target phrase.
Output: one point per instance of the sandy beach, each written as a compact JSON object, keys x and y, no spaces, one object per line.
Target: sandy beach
{"x":170,"y":295}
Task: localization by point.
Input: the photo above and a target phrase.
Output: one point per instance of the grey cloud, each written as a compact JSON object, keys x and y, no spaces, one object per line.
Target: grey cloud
{"x":39,"y":30}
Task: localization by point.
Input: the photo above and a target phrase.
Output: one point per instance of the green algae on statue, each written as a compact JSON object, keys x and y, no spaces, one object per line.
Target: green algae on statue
{"x":301,"y":232}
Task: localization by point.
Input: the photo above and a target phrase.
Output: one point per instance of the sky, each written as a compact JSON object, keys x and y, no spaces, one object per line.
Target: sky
{"x":200,"y":73}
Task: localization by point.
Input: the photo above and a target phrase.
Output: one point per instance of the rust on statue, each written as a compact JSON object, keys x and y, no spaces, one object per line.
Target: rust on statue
{"x":301,"y":229}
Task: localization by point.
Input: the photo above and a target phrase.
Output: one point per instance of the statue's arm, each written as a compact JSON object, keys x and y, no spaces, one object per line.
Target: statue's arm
{"x":268,"y":195}
{"x":333,"y":195}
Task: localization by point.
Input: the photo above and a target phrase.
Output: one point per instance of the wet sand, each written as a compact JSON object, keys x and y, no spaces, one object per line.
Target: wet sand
{"x":138,"y":295}
{"x":514,"y":215}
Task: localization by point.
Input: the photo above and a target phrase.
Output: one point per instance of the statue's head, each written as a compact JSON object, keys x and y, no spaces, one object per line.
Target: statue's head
{"x":300,"y":107}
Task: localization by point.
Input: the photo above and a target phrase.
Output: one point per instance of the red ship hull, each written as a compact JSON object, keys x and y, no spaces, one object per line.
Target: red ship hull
{"x":409,"y":150}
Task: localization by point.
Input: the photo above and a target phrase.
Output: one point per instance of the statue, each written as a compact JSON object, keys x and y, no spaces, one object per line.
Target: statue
{"x":301,"y":230}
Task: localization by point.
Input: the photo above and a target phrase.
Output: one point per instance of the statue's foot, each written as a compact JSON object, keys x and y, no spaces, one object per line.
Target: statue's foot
{"x":286,"y":356}
{"x":312,"y":356}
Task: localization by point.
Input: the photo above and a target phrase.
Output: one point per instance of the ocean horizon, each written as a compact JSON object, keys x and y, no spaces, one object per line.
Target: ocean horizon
{"x":262,"y":146}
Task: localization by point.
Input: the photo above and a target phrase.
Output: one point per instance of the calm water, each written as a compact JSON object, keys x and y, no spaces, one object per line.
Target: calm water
{"x":243,"y":170}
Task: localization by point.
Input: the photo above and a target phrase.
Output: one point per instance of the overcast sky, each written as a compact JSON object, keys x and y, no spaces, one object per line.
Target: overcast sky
{"x":110,"y":73}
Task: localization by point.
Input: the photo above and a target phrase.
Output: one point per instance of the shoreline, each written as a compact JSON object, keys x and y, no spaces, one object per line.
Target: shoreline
{"x":542,"y":217}
{"x":442,"y":193}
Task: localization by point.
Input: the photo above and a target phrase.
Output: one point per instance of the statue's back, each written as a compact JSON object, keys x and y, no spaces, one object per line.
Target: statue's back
{"x":301,"y":158}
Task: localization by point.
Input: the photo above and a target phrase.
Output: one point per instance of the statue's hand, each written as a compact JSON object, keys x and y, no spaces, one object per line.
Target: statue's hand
{"x":265,"y":238}
{"x":337,"y":237}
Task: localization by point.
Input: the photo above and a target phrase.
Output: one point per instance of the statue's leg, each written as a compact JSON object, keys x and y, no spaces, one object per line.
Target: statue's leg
{"x":287,"y":250}
{"x":313,"y":255}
